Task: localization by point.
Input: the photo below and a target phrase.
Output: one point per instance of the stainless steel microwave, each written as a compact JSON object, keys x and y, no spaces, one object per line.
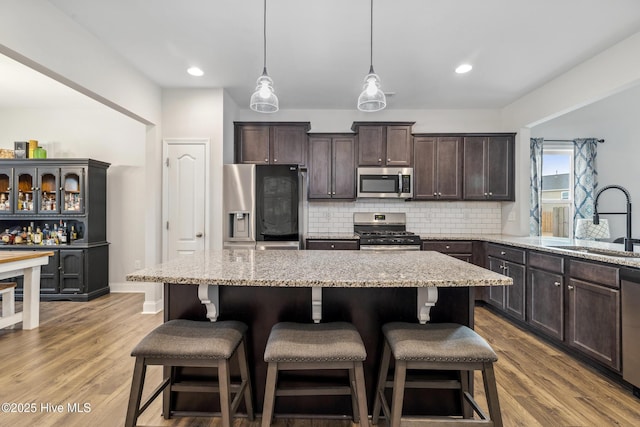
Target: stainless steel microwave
{"x":385,"y":182}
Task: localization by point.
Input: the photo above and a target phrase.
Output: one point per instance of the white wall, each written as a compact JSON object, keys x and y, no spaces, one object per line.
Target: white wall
{"x":426,"y":120}
{"x":616,"y":120}
{"x":102,"y":134}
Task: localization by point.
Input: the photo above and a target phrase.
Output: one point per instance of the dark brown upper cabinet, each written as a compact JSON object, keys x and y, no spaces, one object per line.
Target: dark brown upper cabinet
{"x":271,"y":143}
{"x":488,"y":167}
{"x":331,"y":166}
{"x":384,"y":144}
{"x":437,"y":167}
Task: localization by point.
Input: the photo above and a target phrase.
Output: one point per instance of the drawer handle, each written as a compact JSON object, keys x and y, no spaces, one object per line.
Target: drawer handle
{"x":570,"y":287}
{"x":503,"y":253}
{"x":333,"y":246}
{"x":556,"y":283}
{"x":447,"y":247}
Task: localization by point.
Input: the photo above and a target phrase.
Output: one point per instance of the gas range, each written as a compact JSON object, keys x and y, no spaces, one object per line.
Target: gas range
{"x":384,"y":231}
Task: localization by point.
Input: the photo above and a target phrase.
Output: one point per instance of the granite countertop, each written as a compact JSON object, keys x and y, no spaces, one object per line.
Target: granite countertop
{"x":244,"y":267}
{"x":333,"y":236}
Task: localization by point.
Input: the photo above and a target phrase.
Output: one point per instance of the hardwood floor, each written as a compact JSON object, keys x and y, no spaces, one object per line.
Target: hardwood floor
{"x":81,"y":355}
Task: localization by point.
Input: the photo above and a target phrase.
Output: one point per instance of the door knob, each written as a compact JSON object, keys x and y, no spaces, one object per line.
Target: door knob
{"x":199,"y":234}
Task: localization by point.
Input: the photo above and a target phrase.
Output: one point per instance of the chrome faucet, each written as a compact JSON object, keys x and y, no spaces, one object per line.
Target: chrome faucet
{"x":628,"y":241}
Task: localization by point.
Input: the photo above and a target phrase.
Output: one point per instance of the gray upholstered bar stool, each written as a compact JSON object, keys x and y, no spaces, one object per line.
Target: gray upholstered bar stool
{"x":436,"y":346}
{"x":302,"y":346}
{"x":181,"y":343}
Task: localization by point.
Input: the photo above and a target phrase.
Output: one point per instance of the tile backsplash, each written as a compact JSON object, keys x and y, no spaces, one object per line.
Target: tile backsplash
{"x":422,"y":217}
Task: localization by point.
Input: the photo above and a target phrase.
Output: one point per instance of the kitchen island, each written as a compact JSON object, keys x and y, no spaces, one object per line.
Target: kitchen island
{"x":368,"y":289}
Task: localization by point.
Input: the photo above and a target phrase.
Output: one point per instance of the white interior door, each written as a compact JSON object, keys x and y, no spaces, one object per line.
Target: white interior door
{"x":185,"y":198}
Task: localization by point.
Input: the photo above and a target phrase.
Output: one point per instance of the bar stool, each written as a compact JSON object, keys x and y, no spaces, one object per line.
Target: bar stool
{"x":181,"y":343}
{"x":436,"y":346}
{"x":302,"y":346}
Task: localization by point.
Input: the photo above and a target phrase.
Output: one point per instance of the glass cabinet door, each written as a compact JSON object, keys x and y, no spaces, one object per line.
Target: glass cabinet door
{"x":26,"y":185}
{"x":6,"y":183}
{"x":48,"y":190}
{"x":72,"y":190}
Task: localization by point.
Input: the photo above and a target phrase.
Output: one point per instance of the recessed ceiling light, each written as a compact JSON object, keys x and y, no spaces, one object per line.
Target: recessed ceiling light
{"x":464,"y":68}
{"x":195,"y":71}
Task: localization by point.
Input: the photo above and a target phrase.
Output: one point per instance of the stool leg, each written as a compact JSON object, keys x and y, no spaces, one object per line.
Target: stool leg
{"x":491,"y":391}
{"x":167,"y":372}
{"x":224,"y":381}
{"x":246,"y":378}
{"x":399,"y":378}
{"x":382,"y":379}
{"x":354,"y":394}
{"x":467,"y":411}
{"x":361,"y":394}
{"x":269,"y":394}
{"x":137,"y":383}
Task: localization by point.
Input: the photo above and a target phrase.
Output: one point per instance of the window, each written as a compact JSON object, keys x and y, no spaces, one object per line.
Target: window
{"x":557,"y":190}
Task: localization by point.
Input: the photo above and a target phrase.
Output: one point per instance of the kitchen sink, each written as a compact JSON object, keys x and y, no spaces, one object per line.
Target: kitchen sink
{"x":598,"y":251}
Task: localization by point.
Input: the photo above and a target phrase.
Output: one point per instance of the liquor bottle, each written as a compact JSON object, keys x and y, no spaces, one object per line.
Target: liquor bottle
{"x":62,"y":233}
{"x":46,"y":235}
{"x":73,"y":235}
{"x":37,"y":236}
{"x":29,"y":236}
{"x":6,"y":236}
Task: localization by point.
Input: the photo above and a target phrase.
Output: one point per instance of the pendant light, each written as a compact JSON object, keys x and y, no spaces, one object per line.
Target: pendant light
{"x":372,"y":98}
{"x":264,"y":99}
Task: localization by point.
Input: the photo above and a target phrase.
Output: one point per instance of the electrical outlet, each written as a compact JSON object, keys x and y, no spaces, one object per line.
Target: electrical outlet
{"x":137,"y":264}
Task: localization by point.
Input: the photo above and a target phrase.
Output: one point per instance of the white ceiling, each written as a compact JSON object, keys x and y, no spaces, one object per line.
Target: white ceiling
{"x":318,"y":51}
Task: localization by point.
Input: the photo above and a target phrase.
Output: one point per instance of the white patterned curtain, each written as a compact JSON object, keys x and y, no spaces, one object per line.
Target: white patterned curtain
{"x":535,"y":204}
{"x":585,"y":178}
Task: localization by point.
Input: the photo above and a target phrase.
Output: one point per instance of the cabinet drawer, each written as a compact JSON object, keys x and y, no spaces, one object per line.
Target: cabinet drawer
{"x":333,"y":245}
{"x":448,"y":247}
{"x":552,"y":263}
{"x":507,"y":253}
{"x":595,"y":273}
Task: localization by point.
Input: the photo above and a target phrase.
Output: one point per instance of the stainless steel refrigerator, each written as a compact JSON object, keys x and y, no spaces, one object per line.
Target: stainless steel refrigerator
{"x":263,"y":206}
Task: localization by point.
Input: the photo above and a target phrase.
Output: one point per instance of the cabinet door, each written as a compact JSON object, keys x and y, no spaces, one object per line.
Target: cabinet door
{"x":545,"y":302}
{"x":6,"y":186}
{"x":399,"y":149}
{"x":424,"y":178}
{"x":50,"y":275}
{"x":72,"y":271}
{"x":473,"y":165}
{"x":48,"y":190}
{"x":594,"y":321}
{"x":26,"y":184}
{"x":72,"y":193}
{"x":319,"y":168}
{"x":252,"y":144}
{"x":288,"y":145}
{"x":514,"y":302}
{"x":371,"y":146}
{"x":448,"y":168}
{"x":344,"y":168}
{"x":499,"y":176}
{"x":496,"y":293}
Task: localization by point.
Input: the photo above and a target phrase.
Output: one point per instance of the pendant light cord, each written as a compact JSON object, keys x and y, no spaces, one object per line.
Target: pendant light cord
{"x":264,"y":37}
{"x":371,"y":38}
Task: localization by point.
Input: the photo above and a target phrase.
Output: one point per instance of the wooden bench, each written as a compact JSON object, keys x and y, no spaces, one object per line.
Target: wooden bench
{"x":9,"y":316}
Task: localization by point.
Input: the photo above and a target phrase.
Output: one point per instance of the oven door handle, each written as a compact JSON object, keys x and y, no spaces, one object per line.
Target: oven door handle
{"x":399,"y":183}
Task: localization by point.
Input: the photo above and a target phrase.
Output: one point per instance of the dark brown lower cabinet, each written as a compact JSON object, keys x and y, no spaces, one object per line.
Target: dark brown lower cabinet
{"x":594,"y":321}
{"x":508,"y":261}
{"x":545,"y":294}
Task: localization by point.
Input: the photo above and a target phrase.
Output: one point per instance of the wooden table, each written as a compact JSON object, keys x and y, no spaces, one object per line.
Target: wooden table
{"x":27,"y":264}
{"x":366,"y":288}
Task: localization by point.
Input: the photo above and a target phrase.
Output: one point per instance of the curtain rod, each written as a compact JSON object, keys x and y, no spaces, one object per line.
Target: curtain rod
{"x":601,"y":141}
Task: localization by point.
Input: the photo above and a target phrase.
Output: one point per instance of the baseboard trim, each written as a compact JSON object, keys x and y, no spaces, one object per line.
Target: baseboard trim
{"x":153,"y":294}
